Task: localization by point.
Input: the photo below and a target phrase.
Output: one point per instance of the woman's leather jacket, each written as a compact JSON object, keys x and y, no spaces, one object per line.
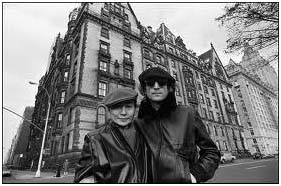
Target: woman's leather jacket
{"x":173,"y":134}
{"x":108,"y":158}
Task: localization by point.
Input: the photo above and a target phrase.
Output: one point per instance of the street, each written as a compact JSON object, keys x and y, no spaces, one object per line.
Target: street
{"x":241,"y":171}
{"x":258,"y":171}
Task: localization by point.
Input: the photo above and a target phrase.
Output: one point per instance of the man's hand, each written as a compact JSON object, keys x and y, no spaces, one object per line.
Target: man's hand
{"x":193,"y":179}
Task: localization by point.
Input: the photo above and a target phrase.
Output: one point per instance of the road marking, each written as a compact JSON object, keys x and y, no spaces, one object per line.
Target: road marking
{"x":255,"y":167}
{"x":230,"y":165}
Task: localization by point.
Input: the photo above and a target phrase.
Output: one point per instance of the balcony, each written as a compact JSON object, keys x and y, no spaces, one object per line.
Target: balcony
{"x":104,"y":53}
{"x":128,"y":61}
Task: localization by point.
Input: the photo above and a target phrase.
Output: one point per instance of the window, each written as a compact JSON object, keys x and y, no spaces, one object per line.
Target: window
{"x":223,"y":96}
{"x":213,"y":92}
{"x":158,"y":59}
{"x":59,"y":121}
{"x":173,"y":64}
{"x":117,"y":8}
{"x":104,"y":48}
{"x":146,"y":53}
{"x":249,"y":124}
{"x":211,"y":115}
{"x":229,"y":96}
{"x":205,"y":89}
{"x":215,"y":129}
{"x":208,"y":129}
{"x":127,"y":42}
{"x":190,"y":80}
{"x":227,"y":89}
{"x":127,"y":56}
{"x":65,"y":77}
{"x":177,"y":91}
{"x":193,"y":93}
{"x":67,"y":59}
{"x":218,"y":117}
{"x":102,"y":89}
{"x":255,"y":141}
{"x":208,"y":102}
{"x":199,"y":86}
{"x":171,"y":50}
{"x":220,"y":85}
{"x":233,"y":134}
{"x":101,"y":115}
{"x":62,"y":98}
{"x":205,"y":113}
{"x":222,"y":133}
{"x":116,"y":68}
{"x":103,"y":66}
{"x":202,"y":99}
{"x":225,"y":145}
{"x":127,"y":73}
{"x":215,"y":103}
{"x":218,"y":145}
{"x":252,"y":132}
{"x":105,"y":33}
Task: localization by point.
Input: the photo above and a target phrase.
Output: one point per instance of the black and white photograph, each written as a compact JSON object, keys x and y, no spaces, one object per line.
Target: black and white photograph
{"x":140,"y":92}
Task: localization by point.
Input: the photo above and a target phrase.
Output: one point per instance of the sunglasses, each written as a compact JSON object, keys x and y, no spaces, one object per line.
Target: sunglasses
{"x":161,"y":82}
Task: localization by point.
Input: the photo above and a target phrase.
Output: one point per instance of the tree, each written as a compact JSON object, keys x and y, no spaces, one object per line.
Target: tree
{"x":255,"y":24}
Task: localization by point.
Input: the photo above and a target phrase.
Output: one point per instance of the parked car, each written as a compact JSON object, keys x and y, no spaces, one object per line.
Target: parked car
{"x":6,"y":172}
{"x":257,"y":155}
{"x":267,"y":156}
{"x":227,"y":157}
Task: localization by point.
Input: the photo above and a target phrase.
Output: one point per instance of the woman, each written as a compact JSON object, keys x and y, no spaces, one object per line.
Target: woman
{"x":117,"y":153}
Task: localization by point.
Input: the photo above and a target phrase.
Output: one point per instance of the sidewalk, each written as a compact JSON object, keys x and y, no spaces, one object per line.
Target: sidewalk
{"x":26,"y":174}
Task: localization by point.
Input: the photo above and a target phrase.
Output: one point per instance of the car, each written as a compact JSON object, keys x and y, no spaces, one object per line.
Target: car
{"x":227,"y":157}
{"x":6,"y":172}
{"x":257,"y":155}
{"x":267,"y":156}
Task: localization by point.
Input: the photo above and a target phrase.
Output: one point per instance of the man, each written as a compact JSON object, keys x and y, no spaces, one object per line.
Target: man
{"x":174,"y":132}
{"x":65,"y":167}
{"x":116,"y":153}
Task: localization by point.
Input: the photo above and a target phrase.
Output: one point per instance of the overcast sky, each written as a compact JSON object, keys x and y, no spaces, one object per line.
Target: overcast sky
{"x":29,"y":29}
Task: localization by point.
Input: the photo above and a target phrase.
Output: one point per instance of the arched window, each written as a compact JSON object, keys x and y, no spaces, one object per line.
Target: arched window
{"x":218,"y":145}
{"x":158,"y":59}
{"x":225,"y":145}
{"x":101,"y":115}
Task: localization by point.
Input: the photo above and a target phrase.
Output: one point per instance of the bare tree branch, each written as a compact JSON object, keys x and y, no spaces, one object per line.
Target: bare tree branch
{"x":254,"y":23}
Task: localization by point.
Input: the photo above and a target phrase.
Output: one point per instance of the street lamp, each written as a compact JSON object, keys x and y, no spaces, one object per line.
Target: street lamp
{"x":37,"y":175}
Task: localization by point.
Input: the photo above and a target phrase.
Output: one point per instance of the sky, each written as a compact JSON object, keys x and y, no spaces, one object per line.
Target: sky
{"x":29,"y":29}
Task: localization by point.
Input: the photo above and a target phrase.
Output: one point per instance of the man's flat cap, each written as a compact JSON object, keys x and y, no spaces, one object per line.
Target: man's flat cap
{"x":155,"y":72}
{"x":120,"y":95}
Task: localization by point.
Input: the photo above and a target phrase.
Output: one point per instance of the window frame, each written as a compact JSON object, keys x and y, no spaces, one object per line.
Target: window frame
{"x":102,"y":89}
{"x":105,"y":32}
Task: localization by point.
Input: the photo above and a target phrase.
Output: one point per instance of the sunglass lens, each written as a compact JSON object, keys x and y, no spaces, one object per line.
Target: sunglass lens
{"x":161,"y":82}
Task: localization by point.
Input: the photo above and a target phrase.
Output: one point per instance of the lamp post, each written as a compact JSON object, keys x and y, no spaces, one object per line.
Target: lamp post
{"x":37,"y":175}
